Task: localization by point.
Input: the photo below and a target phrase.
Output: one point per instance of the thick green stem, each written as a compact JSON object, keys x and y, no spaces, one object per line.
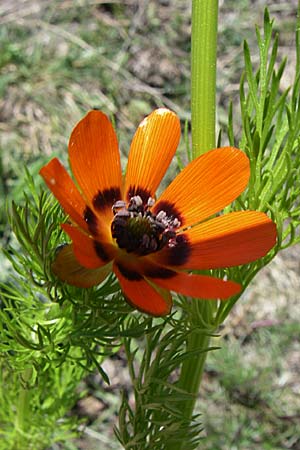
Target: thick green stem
{"x":192,"y":371}
{"x":203,"y":74}
{"x":203,"y":107}
{"x":193,"y":367}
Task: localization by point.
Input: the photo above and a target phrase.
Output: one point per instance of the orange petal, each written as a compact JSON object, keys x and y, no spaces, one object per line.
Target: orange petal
{"x":225,"y":241}
{"x":67,"y":268}
{"x":89,"y":252}
{"x":206,"y":185}
{"x":152,"y":149}
{"x":63,"y":188}
{"x":142,"y":295}
{"x":95,"y":160}
{"x":199,"y":286}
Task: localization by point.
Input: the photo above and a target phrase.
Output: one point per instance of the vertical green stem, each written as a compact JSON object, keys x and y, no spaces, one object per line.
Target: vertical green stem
{"x":203,"y":107}
{"x":192,"y":371}
{"x":193,"y":367}
{"x":203,"y":74}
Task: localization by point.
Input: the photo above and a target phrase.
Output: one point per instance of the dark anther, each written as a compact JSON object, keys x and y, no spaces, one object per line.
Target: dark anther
{"x":118,"y":206}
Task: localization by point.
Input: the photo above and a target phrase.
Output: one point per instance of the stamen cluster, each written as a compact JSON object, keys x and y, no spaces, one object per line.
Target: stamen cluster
{"x":137,"y":230}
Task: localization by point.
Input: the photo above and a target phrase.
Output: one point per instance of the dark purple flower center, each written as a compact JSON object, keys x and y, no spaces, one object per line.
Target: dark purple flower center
{"x":137,"y":230}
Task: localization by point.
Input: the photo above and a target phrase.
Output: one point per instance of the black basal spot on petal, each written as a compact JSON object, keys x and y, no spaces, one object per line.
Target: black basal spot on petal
{"x":169,"y":208}
{"x":136,"y":190}
{"x":131,"y":275}
{"x":101,"y":252}
{"x":179,"y":254}
{"x":160,"y":272}
{"x":106,"y":198}
{"x":91,"y":220}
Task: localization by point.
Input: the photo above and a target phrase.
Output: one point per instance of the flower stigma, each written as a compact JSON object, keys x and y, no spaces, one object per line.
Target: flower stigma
{"x":137,"y":230}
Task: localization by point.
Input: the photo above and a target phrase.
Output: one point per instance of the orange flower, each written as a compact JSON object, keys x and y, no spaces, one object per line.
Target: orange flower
{"x":152,"y":244}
